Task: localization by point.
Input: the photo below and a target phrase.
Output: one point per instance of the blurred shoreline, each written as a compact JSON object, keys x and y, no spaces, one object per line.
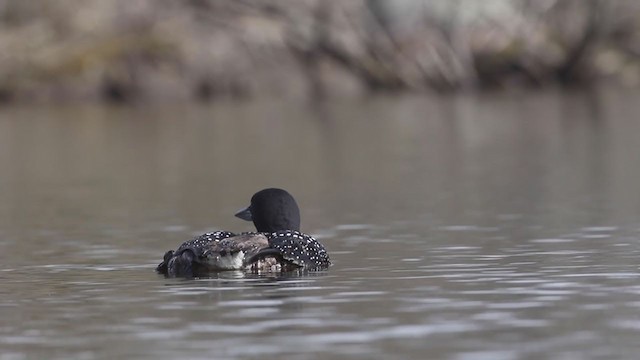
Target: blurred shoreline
{"x":161,"y":50}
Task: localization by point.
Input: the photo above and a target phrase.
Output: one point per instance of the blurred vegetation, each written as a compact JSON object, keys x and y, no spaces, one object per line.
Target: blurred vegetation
{"x":122,"y":50}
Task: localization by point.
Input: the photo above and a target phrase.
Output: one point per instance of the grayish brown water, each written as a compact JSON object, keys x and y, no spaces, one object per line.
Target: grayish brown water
{"x":488,"y":227}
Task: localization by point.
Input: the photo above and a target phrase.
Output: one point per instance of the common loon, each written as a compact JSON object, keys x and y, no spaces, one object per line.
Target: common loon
{"x":278,"y":244}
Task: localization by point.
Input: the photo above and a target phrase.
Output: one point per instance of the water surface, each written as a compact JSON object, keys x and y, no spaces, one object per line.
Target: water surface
{"x":502,"y":226}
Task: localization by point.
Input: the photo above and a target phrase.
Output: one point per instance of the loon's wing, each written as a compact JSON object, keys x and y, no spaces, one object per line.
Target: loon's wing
{"x":300,"y":249}
{"x":179,"y":263}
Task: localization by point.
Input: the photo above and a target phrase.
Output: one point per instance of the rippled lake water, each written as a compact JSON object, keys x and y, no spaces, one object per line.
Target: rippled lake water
{"x":473,"y":227}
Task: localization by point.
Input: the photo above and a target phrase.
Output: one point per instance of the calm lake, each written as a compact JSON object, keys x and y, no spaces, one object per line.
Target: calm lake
{"x":491,"y":227}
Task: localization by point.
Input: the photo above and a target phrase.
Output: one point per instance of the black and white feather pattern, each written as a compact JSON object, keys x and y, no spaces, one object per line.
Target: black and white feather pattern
{"x":199,"y":244}
{"x":299,"y":248}
{"x":296,"y":248}
{"x":196,"y":245}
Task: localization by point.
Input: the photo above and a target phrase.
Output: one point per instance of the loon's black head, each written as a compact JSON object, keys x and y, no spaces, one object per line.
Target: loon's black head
{"x":272,"y":210}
